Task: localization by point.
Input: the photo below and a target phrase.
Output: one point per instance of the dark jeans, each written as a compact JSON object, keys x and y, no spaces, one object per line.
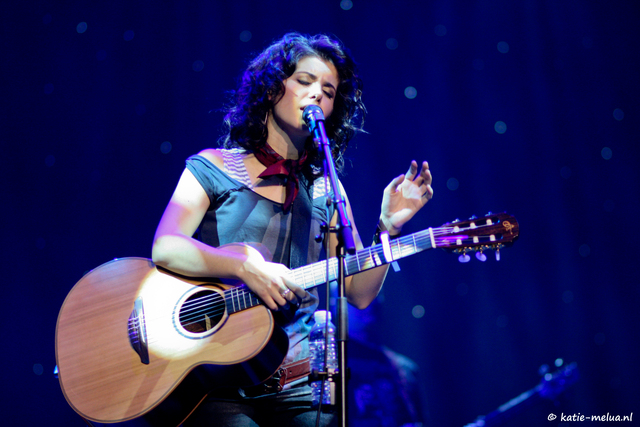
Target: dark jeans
{"x":291,"y":408}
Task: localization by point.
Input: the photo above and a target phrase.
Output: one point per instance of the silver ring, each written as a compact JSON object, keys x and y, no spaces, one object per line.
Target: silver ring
{"x":286,"y":292}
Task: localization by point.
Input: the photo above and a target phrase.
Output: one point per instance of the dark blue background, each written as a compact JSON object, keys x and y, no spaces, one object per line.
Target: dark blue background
{"x":85,"y":175}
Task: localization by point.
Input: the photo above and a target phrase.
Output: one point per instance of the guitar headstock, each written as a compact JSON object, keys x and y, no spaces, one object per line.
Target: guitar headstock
{"x":491,"y":232}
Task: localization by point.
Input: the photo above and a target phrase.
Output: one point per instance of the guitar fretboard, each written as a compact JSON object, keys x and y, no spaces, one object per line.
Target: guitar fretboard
{"x":315,"y":274}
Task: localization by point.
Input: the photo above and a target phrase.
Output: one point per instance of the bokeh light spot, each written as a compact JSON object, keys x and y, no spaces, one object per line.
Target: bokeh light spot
{"x":500,"y":127}
{"x":618,"y":114}
{"x":198,"y":65}
{"x":38,"y":369}
{"x":606,"y":153}
{"x":410,"y":92}
{"x":503,"y":47}
{"x":440,"y":30}
{"x":346,"y":4}
{"x":565,"y":172}
{"x":567,"y":297}
{"x":141,"y":109}
{"x":50,"y":160}
{"x":392,"y":44}
{"x":418,"y":311}
{"x":245,"y":36}
{"x":48,"y":89}
{"x":46,"y":19}
{"x":81,"y":27}
{"x":128,"y":35}
{"x":452,"y":184}
{"x":584,"y":250}
{"x":165,"y":147}
{"x":587,"y":42}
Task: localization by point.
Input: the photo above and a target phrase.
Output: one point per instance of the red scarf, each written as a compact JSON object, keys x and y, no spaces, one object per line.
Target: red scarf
{"x":279,"y":166}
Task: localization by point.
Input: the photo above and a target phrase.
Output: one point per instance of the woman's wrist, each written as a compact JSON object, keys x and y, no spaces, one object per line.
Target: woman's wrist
{"x":380,"y":228}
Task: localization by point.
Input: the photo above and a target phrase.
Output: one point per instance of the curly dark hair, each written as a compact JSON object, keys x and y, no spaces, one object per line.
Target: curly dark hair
{"x":261,"y":87}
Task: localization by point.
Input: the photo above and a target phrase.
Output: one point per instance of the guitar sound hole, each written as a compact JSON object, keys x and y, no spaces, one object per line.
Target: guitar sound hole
{"x":202,"y":311}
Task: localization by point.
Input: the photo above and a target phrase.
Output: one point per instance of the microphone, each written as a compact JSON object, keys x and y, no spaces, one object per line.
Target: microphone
{"x":312,"y":114}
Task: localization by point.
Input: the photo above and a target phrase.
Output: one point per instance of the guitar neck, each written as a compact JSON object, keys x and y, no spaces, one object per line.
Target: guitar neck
{"x":315,"y":274}
{"x":493,"y":231}
{"x":312,"y":275}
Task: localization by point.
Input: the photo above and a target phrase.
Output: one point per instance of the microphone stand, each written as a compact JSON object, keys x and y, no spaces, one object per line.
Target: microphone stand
{"x":314,"y":118}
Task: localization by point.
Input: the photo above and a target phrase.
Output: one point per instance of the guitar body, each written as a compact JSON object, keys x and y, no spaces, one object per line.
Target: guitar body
{"x":138,"y":345}
{"x":127,"y":351}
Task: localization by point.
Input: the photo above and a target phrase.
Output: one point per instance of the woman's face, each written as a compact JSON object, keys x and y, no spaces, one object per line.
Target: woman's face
{"x":315,"y":81}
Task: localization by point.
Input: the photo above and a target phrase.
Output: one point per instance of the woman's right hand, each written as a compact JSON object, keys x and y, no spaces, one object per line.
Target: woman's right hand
{"x":270,"y":281}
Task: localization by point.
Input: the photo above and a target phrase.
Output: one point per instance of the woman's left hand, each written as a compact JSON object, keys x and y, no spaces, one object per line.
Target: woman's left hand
{"x":405,"y":196}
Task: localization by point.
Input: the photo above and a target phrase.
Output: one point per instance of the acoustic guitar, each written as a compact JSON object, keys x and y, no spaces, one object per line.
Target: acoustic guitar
{"x":141,"y":346}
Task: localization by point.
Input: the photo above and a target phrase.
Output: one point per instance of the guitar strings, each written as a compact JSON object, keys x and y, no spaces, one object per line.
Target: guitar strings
{"x":214,"y":305}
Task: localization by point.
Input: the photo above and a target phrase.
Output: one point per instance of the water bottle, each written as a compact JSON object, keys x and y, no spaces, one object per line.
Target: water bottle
{"x":316,"y":348}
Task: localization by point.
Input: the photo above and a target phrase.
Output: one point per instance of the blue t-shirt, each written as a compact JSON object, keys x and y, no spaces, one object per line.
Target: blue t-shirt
{"x":237,"y":214}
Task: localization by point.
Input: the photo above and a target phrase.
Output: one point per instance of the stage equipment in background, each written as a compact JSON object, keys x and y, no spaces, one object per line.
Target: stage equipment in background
{"x":549,"y":388}
{"x":136,"y":343}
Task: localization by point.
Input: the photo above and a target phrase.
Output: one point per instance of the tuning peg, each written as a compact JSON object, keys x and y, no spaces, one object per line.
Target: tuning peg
{"x":489,"y":213}
{"x":464,"y":258}
{"x":455,"y":220}
{"x":482,"y":257}
{"x":473,"y":217}
{"x":497,"y":254}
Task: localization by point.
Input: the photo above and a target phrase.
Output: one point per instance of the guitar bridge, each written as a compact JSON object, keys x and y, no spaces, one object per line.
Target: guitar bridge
{"x":138,"y":331}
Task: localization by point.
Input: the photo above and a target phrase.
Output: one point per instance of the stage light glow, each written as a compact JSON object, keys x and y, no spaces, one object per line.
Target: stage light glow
{"x":452,"y":184}
{"x":38,"y":369}
{"x":584,"y":250}
{"x":346,"y":4}
{"x":503,"y":47}
{"x":198,"y":65}
{"x":81,"y":27}
{"x":245,"y":36}
{"x":606,"y":153}
{"x":440,"y":30}
{"x":128,"y":35}
{"x":410,"y":92}
{"x":618,"y":114}
{"x":392,"y":44}
{"x":500,"y":127}
{"x":165,"y":147}
{"x":418,"y":311}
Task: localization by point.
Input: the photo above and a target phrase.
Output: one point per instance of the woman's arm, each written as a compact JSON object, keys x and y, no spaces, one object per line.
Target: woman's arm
{"x":175,"y":249}
{"x":402,"y":199}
